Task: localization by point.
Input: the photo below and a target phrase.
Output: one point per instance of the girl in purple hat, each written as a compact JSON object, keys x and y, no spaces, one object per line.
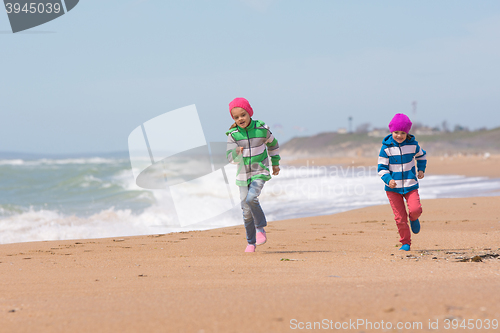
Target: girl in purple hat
{"x":396,"y":166}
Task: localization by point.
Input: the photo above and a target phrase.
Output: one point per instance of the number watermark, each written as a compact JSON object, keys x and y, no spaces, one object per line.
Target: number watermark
{"x":471,"y":324}
{"x":26,"y":14}
{"x":33,"y":8}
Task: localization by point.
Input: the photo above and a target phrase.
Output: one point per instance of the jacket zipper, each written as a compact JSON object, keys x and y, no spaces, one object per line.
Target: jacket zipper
{"x":402,"y":170}
{"x":249,"y":150}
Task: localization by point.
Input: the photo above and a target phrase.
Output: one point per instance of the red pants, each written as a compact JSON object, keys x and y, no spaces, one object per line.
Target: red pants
{"x":400,"y":215}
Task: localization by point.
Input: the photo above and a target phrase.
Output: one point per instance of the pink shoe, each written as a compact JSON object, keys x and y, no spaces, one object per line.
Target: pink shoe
{"x":261,"y":238}
{"x":250,"y":248}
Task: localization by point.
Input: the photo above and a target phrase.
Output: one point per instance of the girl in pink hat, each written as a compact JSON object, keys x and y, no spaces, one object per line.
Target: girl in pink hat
{"x":396,"y":166}
{"x":251,"y":144}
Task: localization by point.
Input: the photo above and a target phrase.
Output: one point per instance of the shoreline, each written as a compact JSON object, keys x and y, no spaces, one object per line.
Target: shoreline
{"x":155,"y":234}
{"x":339,"y":164}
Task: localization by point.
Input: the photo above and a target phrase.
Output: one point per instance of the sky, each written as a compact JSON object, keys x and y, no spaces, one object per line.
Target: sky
{"x":84,"y":81}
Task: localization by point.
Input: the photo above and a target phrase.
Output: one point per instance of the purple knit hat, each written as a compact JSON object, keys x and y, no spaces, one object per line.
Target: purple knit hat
{"x":240,"y":102}
{"x":400,"y":122}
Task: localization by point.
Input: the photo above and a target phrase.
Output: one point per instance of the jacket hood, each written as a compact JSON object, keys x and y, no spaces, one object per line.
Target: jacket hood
{"x":389,"y":141}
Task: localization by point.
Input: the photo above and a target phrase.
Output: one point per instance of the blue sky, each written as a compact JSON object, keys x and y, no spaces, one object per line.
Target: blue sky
{"x":84,"y":81}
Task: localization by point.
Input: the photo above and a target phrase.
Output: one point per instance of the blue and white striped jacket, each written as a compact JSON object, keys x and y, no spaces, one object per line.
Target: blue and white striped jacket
{"x":397,"y":161}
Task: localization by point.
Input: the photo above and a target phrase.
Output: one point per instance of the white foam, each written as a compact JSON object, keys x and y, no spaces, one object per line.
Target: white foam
{"x":12,"y":162}
{"x":65,"y":161}
{"x":89,"y":180}
{"x":45,"y":225}
{"x":125,"y":179}
{"x":336,"y":190}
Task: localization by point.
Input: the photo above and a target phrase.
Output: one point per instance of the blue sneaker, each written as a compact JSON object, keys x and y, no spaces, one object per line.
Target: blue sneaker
{"x":415,"y":226}
{"x":405,"y":247}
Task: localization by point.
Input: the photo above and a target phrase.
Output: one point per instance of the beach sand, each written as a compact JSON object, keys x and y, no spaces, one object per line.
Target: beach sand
{"x":328,"y":269}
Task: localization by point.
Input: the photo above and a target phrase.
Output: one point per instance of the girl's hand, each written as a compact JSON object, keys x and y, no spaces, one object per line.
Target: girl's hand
{"x":420,"y":175}
{"x":276,"y":170}
{"x":392,"y":183}
{"x":239,"y":150}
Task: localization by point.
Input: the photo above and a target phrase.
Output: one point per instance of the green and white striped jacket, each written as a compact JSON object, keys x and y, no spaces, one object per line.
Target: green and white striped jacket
{"x":257,"y":141}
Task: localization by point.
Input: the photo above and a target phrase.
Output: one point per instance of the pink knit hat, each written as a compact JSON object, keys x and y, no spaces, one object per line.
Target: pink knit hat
{"x":240,"y":102}
{"x":400,"y":122}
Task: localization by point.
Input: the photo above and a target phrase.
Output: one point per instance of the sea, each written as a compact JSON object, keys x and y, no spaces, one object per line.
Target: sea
{"x":63,"y":198}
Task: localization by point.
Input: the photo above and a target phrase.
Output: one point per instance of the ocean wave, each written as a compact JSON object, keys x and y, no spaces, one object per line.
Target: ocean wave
{"x":45,"y":225}
{"x":12,"y":162}
{"x":125,"y":179}
{"x":9,"y":210}
{"x":64,"y":161}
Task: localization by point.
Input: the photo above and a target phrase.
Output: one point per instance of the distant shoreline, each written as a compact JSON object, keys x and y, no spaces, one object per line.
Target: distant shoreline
{"x":6,"y":155}
{"x":333,"y":144}
{"x":465,"y":165}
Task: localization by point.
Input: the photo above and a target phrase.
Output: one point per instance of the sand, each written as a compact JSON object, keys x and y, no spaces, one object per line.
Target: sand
{"x":343,"y":269}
